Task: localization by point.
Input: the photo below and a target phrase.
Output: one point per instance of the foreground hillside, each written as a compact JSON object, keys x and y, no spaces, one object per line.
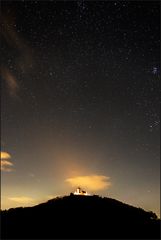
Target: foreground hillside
{"x":80,"y":217}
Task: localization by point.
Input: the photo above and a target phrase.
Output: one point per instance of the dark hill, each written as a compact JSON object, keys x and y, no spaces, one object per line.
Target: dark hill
{"x":80,"y":217}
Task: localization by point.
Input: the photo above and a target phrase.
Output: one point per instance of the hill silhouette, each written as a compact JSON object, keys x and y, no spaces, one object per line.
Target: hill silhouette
{"x":80,"y":217}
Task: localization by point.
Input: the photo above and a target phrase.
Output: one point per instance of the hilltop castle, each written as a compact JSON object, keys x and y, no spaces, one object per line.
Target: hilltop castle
{"x":79,"y":191}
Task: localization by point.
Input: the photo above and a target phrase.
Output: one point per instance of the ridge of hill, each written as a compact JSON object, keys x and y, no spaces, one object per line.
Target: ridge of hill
{"x":77,"y":217}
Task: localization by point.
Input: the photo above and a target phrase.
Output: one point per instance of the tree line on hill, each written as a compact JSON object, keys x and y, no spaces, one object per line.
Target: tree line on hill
{"x":77,"y":217}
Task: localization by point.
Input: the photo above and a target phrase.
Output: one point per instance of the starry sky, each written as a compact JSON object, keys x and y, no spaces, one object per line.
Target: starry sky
{"x":80,"y":100}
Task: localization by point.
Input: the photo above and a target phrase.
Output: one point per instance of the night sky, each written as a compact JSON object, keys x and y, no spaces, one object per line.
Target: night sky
{"x":80,"y":100}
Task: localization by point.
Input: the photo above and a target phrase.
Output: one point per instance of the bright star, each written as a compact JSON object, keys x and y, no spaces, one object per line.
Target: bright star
{"x":155,"y":70}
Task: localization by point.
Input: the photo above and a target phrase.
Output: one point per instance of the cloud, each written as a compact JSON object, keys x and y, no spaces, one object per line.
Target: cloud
{"x":13,"y":38}
{"x":22,"y":199}
{"x":6,"y":164}
{"x":22,"y":61}
{"x":93,"y":182}
{"x":11,"y":81}
{"x":5,"y":155}
{"x":10,"y":33}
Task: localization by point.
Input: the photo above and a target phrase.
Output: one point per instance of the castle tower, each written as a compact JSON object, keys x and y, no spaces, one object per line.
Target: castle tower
{"x":79,"y":191}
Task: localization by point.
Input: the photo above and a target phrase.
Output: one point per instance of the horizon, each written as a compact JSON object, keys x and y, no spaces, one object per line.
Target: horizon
{"x":76,"y":195}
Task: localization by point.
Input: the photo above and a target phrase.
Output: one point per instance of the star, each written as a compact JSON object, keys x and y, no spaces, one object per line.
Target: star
{"x":51,"y":73}
{"x":155,"y":70}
